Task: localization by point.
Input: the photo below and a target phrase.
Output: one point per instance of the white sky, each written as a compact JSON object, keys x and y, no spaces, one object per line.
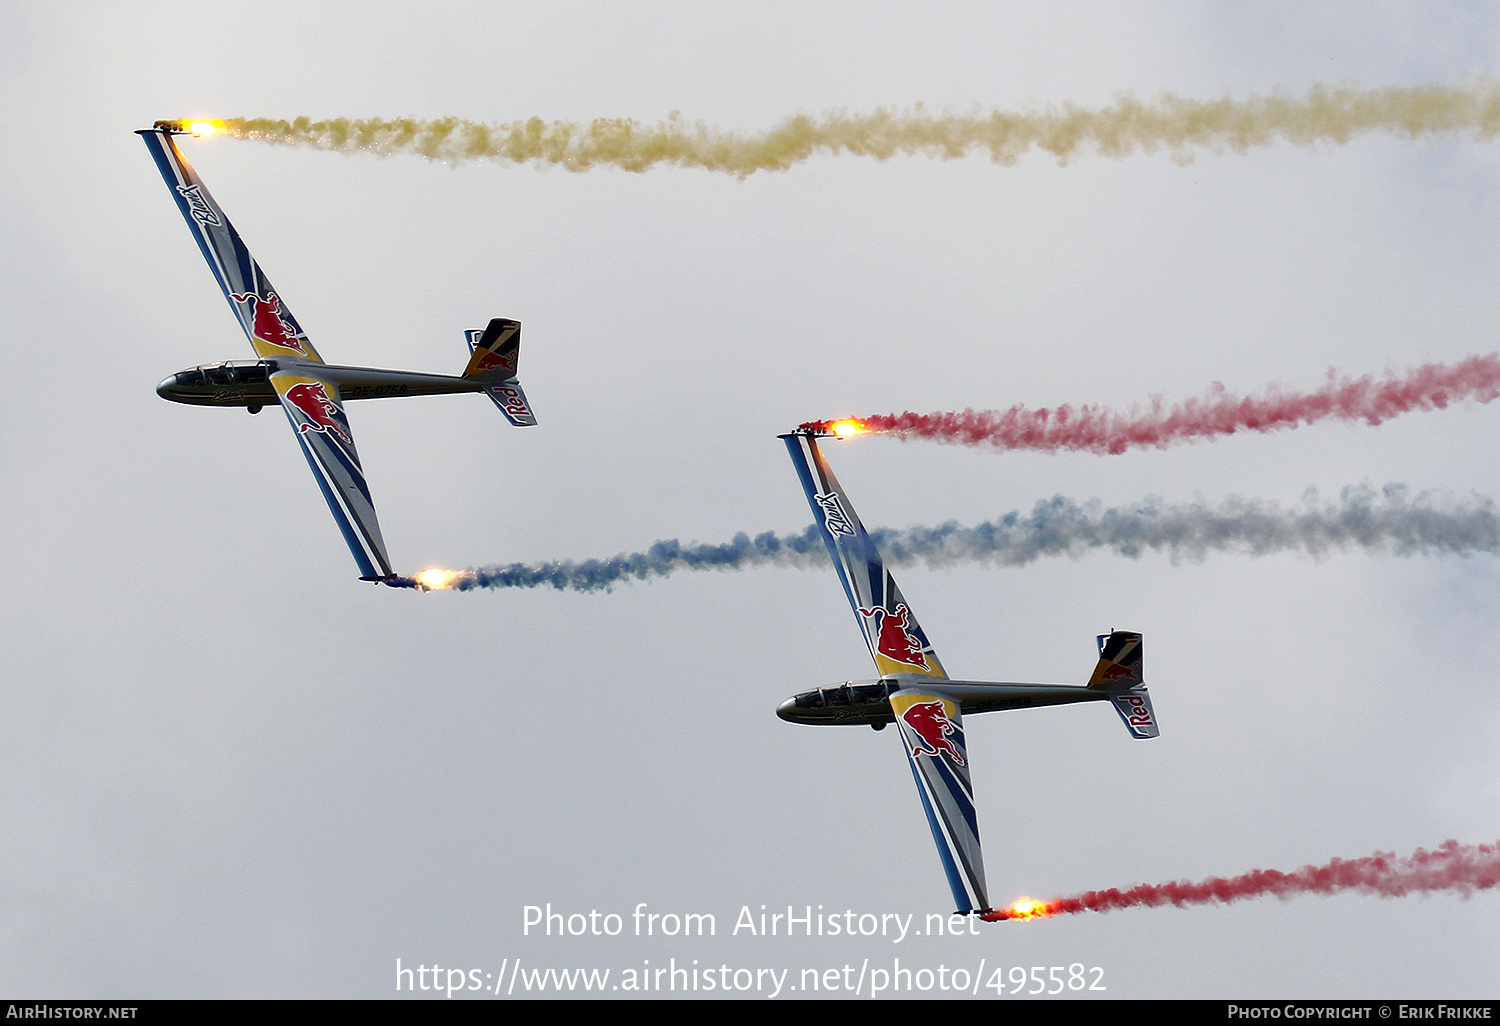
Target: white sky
{"x":229,"y":769}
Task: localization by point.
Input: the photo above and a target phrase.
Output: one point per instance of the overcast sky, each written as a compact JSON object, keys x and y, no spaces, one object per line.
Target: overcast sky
{"x":228,"y":768}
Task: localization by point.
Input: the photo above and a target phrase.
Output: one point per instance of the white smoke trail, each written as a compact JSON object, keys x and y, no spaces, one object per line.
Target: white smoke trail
{"x":1330,"y":115}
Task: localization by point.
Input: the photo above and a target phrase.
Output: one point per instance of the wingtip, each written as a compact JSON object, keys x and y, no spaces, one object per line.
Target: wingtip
{"x":397,"y":581}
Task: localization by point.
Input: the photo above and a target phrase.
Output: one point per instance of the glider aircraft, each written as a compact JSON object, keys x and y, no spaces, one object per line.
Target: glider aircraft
{"x":290,"y":373}
{"x":915,"y":692}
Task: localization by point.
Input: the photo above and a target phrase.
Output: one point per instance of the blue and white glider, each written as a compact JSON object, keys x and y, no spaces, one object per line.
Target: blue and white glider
{"x":289,"y":372}
{"x":915,"y":692}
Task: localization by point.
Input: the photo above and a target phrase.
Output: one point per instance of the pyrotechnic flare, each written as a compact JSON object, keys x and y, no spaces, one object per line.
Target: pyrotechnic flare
{"x":200,"y":127}
{"x":1179,"y":126}
{"x":1451,"y":867}
{"x":433,"y":578}
{"x":1388,"y":521}
{"x":1099,"y":429}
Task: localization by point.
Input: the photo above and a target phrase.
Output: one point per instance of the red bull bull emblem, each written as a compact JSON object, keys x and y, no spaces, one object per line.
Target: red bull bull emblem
{"x":1120,"y":671}
{"x":267,"y":324}
{"x":492,"y":360}
{"x":930,"y":724}
{"x":312,"y":401}
{"x":894,"y":640}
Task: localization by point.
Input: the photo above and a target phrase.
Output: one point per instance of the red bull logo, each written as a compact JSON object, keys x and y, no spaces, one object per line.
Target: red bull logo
{"x":1120,"y":671}
{"x":267,"y":324}
{"x":930,"y":724}
{"x":493,"y":361}
{"x":894,"y":639}
{"x":311,"y":399}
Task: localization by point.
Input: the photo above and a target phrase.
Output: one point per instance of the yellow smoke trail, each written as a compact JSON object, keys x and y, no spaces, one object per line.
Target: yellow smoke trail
{"x":1331,"y":115}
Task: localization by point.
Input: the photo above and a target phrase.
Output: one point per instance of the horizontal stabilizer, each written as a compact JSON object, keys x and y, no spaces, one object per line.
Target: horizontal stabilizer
{"x":512,"y":402}
{"x":1134,"y":707}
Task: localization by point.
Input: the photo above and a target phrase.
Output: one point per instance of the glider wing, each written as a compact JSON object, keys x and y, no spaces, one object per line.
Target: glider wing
{"x":317,"y":416}
{"x":269,"y":325}
{"x":932,"y":732}
{"x":896,"y":641}
{"x":312,"y":402}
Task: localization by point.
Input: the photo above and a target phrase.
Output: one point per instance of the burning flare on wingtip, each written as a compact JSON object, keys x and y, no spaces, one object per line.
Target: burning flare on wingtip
{"x":838,"y":428}
{"x":435,"y":579}
{"x":1026,"y":908}
{"x":199,"y":127}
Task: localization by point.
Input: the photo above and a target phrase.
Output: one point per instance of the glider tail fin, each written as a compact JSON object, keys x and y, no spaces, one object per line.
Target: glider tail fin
{"x":493,"y":353}
{"x":896,"y":641}
{"x":1119,"y":673}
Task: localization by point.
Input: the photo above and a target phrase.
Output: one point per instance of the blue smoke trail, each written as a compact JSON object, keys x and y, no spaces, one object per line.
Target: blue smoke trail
{"x":1387,"y":521}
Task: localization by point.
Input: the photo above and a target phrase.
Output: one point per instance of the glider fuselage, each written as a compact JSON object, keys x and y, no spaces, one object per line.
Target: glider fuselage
{"x":867,"y":702}
{"x":248,"y":383}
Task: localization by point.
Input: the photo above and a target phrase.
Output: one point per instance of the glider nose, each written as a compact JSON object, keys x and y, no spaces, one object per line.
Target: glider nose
{"x":788,"y":710}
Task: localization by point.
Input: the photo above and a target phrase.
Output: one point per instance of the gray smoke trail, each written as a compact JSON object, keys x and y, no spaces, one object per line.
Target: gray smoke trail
{"x":1180,"y":126}
{"x":1385,"y":521}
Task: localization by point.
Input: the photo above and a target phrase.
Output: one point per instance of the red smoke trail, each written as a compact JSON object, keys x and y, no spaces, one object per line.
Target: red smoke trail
{"x":1451,"y":867}
{"x":1099,"y":429}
